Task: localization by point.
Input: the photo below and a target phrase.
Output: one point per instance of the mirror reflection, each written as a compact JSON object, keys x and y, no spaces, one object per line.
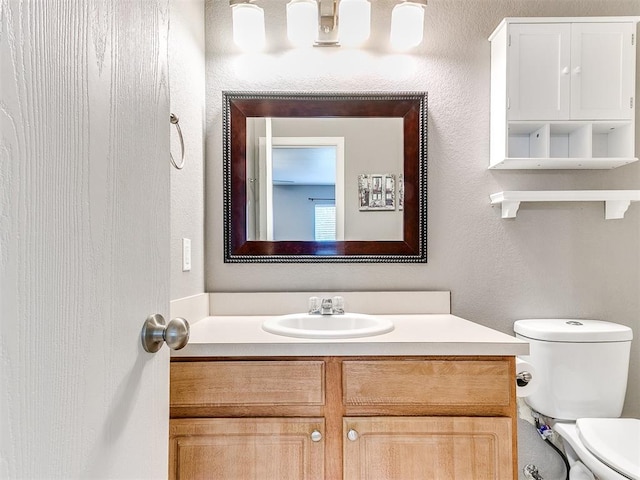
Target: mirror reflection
{"x":336,"y":177}
{"x":306,"y":179}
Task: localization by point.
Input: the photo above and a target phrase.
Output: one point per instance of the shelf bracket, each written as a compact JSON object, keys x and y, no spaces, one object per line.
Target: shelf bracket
{"x":510,"y":208}
{"x":615,"y":209}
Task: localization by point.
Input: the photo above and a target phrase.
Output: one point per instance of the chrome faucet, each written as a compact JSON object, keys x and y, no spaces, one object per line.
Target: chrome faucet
{"x":326,"y":306}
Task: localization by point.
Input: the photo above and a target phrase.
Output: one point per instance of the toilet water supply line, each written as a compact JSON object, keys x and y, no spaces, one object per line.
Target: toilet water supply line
{"x":545,"y":433}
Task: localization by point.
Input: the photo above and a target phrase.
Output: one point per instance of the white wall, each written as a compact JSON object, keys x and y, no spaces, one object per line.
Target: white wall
{"x":294,"y":214}
{"x":560,"y":260}
{"x":186,"y":80}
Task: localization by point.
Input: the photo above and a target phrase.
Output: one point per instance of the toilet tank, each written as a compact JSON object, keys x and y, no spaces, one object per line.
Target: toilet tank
{"x":581,"y":366}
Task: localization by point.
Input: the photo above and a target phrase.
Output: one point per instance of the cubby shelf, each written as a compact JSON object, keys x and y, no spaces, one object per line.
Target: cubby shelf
{"x":616,"y":201}
{"x":567,"y":145}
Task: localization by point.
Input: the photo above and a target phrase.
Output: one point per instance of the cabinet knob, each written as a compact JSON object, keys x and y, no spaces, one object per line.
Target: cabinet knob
{"x":316,"y":436}
{"x":352,"y":435}
{"x":565,"y":71}
{"x":577,"y":70}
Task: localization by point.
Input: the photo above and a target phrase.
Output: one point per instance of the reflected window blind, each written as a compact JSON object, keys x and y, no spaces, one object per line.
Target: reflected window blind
{"x":325,"y":223}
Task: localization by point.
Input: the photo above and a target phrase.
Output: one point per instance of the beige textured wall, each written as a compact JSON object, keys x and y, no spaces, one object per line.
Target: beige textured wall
{"x":186,"y":80}
{"x":561,"y":260}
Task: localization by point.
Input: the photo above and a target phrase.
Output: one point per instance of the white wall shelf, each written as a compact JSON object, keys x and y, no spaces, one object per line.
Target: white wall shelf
{"x":616,"y":201}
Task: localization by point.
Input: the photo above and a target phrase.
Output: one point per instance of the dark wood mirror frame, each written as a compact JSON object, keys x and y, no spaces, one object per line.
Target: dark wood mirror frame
{"x":411,"y":107}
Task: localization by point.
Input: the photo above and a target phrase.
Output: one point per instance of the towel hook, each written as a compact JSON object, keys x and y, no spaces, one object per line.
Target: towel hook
{"x":174,"y":120}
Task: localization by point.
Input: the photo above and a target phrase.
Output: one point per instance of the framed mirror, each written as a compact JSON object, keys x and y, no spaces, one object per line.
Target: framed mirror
{"x":325,"y":177}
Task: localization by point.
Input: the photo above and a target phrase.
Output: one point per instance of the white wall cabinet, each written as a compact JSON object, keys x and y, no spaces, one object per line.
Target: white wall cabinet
{"x":562,"y":93}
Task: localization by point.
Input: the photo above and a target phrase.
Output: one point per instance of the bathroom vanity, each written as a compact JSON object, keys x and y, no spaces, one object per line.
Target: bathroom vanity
{"x":434,"y":398}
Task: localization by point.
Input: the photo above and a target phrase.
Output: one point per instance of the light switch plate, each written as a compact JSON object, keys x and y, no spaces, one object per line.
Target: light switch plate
{"x":186,"y":255}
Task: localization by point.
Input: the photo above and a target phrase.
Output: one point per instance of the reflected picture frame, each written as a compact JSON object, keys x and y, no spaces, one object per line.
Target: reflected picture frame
{"x":376,"y":192}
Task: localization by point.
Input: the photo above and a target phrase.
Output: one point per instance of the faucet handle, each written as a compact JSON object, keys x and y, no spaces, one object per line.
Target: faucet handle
{"x":338,"y":305}
{"x":314,"y":305}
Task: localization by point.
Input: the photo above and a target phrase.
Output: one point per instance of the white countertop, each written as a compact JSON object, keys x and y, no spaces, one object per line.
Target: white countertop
{"x":432,"y":334}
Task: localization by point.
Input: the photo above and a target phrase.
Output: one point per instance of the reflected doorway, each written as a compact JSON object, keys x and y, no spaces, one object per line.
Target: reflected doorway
{"x":301,"y":184}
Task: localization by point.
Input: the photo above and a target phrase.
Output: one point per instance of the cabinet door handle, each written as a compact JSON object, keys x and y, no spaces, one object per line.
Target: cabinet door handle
{"x":316,"y":436}
{"x":577,"y":70}
{"x":352,"y":435}
{"x":565,"y":71}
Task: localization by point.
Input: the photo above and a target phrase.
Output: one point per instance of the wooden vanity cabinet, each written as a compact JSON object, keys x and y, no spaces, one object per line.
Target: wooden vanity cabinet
{"x":375,"y":418}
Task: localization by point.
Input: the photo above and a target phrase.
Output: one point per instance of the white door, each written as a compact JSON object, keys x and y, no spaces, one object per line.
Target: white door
{"x":84,"y":238}
{"x":602,"y":70}
{"x":538,"y":63}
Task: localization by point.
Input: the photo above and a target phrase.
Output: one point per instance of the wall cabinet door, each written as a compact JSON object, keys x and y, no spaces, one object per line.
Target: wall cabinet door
{"x":246,"y":449}
{"x":602,"y":70}
{"x":538,"y":71}
{"x":437,"y":448}
{"x":570,"y":71}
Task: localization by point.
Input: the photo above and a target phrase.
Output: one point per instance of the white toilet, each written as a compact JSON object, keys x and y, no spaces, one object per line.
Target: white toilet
{"x":581,"y":368}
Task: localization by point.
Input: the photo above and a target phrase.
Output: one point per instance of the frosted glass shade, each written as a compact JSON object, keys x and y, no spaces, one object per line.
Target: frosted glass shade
{"x":407,"y":25}
{"x":302,"y":22}
{"x":355,"y":22}
{"x":248,"y":26}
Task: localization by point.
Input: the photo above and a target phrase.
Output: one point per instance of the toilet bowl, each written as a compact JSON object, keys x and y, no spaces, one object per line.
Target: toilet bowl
{"x":582,"y":368}
{"x":608,"y":447}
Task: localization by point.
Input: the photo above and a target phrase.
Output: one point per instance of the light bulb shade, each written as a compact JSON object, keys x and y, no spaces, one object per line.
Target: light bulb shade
{"x":302,"y":22}
{"x":248,"y":26}
{"x":354,"y":17}
{"x":407,"y":25}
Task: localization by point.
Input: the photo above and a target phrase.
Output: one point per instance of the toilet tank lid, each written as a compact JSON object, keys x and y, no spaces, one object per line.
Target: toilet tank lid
{"x":572,"y":330}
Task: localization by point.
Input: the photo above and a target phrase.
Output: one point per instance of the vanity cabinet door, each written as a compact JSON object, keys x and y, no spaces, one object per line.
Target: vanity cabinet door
{"x":246,"y":449}
{"x":437,"y":448}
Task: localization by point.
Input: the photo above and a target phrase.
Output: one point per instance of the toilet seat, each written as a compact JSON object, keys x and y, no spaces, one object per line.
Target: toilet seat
{"x":569,"y":433}
{"x":614,"y":441}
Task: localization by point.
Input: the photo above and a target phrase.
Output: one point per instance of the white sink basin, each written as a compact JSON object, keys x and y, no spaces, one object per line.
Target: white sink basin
{"x":347,"y":325}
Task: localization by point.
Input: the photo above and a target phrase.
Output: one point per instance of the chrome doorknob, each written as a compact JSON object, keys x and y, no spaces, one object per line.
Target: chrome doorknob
{"x":156,"y":331}
{"x":352,"y":435}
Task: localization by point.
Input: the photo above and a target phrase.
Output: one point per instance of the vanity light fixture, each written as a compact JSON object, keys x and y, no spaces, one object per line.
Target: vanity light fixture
{"x":407,"y":24}
{"x":302,"y":22}
{"x":248,"y":25}
{"x":328,"y":23}
{"x":346,"y":22}
{"x":355,"y":22}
